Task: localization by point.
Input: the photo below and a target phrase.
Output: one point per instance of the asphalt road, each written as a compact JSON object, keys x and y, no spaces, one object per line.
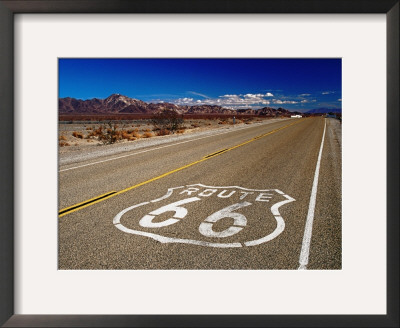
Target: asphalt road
{"x":247,"y":199}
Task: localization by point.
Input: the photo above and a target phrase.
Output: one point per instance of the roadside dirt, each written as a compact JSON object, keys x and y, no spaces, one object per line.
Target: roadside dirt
{"x":78,"y":136}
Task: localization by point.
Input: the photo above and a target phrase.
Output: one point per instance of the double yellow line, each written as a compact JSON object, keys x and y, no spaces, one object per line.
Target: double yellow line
{"x":110,"y":194}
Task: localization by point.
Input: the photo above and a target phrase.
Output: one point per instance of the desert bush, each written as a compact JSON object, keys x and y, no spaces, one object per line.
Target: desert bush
{"x":167,"y":120}
{"x":62,"y":138}
{"x":126,"y":135}
{"x":77,"y":134}
{"x":63,"y":144}
{"x":135,"y":134}
{"x":147,"y":134}
{"x":109,"y":133}
{"x":163,"y":132}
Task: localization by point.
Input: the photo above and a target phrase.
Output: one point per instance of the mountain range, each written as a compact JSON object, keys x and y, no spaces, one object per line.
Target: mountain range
{"x":117,"y":103}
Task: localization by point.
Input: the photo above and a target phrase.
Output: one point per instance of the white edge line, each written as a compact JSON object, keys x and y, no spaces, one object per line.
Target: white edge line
{"x":305,"y":249}
{"x":147,"y":150}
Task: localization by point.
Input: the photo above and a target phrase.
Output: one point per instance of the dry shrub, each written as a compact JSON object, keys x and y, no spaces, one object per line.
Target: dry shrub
{"x":195,"y":125}
{"x":77,"y":134}
{"x":180,"y":131}
{"x":147,"y":134}
{"x":89,"y":128}
{"x":126,"y":135}
{"x":130,"y":134}
{"x":95,"y":133}
{"x":163,"y":132}
{"x":63,"y":144}
{"x":135,"y":134}
{"x":167,"y":119}
{"x":62,"y":138}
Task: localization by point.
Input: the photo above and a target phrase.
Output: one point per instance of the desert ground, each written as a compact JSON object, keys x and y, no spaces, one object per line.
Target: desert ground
{"x":77,"y":137}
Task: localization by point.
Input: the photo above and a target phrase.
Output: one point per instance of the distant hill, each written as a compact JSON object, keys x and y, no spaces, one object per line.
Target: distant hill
{"x":324,"y":110}
{"x":117,"y":103}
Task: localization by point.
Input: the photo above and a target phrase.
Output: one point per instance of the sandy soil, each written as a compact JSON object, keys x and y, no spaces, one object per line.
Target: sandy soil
{"x":76,"y":137}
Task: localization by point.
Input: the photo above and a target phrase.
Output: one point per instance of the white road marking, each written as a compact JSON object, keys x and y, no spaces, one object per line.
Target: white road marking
{"x":169,"y":193}
{"x":240,"y":221}
{"x":147,"y":150}
{"x":163,"y":239}
{"x":305,"y":249}
{"x":280,"y":223}
{"x":180,"y":213}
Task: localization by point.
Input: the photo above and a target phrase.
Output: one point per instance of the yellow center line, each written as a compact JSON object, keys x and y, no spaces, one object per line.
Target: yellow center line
{"x":110,"y":194}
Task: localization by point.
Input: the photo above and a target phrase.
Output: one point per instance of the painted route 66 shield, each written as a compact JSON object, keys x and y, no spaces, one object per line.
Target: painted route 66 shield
{"x":210,"y":216}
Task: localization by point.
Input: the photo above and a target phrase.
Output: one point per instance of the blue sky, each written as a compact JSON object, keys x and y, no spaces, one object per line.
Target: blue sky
{"x":295,"y":84}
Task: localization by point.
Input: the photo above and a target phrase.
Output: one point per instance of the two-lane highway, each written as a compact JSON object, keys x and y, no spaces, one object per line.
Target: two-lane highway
{"x":238,"y":200}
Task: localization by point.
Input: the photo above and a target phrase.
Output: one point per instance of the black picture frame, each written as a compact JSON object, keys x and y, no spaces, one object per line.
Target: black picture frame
{"x":7,"y":11}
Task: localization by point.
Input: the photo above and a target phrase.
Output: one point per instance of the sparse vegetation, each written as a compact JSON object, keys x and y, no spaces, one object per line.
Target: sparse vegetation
{"x":77,"y":134}
{"x":85,"y":133}
{"x":147,"y":134}
{"x":167,"y":120}
{"x":162,"y":132}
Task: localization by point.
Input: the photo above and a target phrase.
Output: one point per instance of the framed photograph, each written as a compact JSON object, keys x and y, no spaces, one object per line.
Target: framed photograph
{"x":198,"y":163}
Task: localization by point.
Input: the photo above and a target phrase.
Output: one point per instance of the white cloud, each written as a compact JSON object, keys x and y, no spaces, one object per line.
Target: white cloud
{"x":248,"y":100}
{"x":198,"y":94}
{"x":304,"y":101}
{"x":281,"y":102}
{"x":250,"y":95}
{"x":184,"y":101}
{"x":340,"y":99}
{"x":229,"y":96}
{"x":305,"y":94}
{"x":327,"y":92}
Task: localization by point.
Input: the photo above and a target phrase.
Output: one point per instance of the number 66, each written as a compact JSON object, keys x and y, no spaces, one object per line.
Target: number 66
{"x":205,"y":228}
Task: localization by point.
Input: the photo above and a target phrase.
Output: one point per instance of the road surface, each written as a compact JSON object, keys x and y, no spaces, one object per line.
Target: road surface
{"x":264,"y":197}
